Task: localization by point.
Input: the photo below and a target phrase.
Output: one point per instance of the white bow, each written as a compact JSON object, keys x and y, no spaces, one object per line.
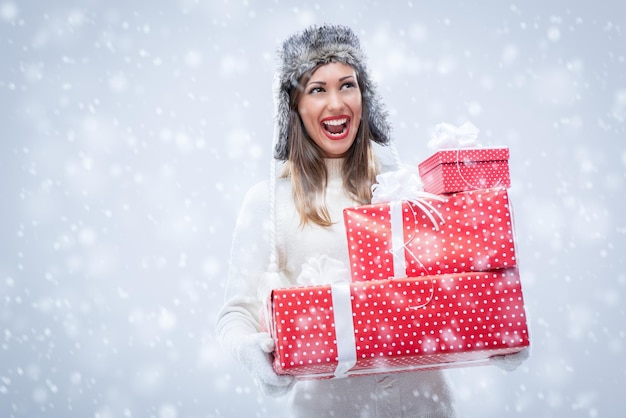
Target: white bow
{"x":446,"y":135}
{"x":404,"y":184}
{"x":323,"y":270}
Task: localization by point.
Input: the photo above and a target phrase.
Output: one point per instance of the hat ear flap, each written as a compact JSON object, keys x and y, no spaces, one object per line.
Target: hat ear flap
{"x":281,"y":148}
{"x":377,"y":117}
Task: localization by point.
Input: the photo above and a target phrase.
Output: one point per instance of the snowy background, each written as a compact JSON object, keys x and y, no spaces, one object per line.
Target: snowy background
{"x":131,"y":130}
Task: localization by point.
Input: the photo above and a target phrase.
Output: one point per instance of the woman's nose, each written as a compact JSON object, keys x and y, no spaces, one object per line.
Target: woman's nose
{"x":335,"y":102}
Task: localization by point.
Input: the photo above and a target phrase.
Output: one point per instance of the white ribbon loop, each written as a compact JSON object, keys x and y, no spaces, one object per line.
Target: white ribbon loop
{"x":323,"y":270}
{"x":429,"y":299}
{"x":446,"y":135}
{"x":405,"y":185}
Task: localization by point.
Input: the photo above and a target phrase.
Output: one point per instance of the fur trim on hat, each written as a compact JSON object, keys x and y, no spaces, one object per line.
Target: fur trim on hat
{"x":317,"y":45}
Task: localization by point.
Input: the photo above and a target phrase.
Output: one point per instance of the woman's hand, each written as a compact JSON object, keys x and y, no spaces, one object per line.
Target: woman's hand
{"x":510,"y":362}
{"x":254,"y":353}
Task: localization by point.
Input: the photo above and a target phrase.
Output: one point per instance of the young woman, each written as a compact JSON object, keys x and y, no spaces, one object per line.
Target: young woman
{"x":332,"y":134}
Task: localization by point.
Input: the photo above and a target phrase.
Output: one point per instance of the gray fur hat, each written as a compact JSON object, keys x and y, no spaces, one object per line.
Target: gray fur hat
{"x":304,"y":51}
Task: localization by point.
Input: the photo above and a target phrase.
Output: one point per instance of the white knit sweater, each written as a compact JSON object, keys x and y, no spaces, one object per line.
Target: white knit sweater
{"x":418,"y":394}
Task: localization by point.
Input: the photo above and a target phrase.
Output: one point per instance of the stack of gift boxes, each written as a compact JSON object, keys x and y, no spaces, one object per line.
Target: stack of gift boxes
{"x":434,"y":283}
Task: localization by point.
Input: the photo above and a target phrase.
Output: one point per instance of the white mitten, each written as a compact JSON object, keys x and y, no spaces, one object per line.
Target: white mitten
{"x":510,"y":362}
{"x":254,"y":352}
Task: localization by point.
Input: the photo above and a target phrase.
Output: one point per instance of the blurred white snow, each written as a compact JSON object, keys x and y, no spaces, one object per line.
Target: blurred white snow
{"x":131,"y":131}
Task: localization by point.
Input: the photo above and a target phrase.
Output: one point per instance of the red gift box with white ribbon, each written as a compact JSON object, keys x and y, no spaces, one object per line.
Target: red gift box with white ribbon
{"x":460,"y":232}
{"x":462,"y":169}
{"x":406,"y":324}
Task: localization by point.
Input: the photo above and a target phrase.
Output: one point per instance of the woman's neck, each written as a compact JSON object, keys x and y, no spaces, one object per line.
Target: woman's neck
{"x":334,"y":167}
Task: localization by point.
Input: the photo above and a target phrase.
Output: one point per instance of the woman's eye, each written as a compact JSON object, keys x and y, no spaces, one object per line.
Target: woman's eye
{"x":348,"y":85}
{"x":315,"y":90}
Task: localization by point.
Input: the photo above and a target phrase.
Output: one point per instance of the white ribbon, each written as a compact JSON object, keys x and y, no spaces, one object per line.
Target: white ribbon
{"x":344,"y":328}
{"x":397,"y":238}
{"x":324,"y":270}
{"x":399,"y":186}
{"x":446,"y":135}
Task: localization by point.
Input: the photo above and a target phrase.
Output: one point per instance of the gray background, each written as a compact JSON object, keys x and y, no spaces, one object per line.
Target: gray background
{"x":130,"y":131}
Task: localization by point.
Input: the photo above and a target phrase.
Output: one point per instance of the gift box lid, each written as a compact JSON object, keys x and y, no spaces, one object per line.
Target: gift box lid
{"x":463,"y":156}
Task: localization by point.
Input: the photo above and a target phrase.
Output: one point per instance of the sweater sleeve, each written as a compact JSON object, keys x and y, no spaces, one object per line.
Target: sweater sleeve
{"x":241,"y":313}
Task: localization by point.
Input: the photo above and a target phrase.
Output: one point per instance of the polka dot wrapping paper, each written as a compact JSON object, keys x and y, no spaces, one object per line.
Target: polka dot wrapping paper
{"x":475,"y":233}
{"x":462,"y":169}
{"x":400,"y":324}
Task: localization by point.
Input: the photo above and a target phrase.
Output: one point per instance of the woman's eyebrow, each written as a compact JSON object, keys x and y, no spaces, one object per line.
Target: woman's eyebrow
{"x":323,"y":83}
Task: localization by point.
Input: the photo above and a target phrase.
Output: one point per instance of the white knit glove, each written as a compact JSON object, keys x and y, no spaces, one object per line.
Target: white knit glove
{"x":254,"y":353}
{"x":510,"y":362}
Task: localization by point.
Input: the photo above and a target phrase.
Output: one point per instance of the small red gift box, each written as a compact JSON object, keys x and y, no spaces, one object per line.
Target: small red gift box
{"x":397,"y":324}
{"x":461,"y":169}
{"x":399,"y":239}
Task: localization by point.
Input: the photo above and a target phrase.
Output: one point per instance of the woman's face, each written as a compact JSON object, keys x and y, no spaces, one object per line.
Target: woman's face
{"x":330,"y":108}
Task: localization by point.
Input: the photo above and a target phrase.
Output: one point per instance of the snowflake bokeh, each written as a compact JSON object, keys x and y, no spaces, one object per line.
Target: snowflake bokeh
{"x":131,"y":131}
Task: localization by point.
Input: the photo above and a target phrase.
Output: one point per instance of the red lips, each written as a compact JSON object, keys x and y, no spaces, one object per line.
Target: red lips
{"x":336,"y":127}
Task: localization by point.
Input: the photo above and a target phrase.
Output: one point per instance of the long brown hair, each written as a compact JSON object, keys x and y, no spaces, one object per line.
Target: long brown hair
{"x":307,"y":170}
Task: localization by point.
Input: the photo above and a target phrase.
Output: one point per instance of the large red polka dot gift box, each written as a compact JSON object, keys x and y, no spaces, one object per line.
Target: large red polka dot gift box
{"x":346,"y":329}
{"x":461,"y":232}
{"x":460,"y":169}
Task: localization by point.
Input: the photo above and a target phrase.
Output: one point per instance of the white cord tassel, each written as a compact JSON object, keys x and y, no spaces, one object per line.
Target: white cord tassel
{"x":273,"y":266}
{"x":271,"y":278}
{"x":394,"y":152}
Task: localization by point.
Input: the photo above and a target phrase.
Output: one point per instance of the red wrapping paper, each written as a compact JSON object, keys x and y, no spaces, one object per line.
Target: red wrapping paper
{"x":401,"y":324}
{"x":476,"y":235}
{"x":462,"y":169}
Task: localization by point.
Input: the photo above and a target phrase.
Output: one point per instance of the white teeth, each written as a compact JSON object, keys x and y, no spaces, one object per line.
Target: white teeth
{"x":336,"y":122}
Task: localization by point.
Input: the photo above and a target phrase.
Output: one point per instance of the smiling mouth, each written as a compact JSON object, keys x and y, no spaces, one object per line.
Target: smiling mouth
{"x":336,"y":128}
